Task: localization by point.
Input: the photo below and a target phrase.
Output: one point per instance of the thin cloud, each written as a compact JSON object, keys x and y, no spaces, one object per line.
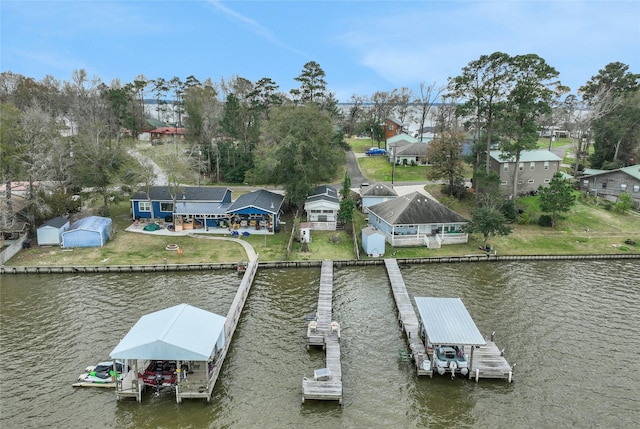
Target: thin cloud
{"x":255,"y":27}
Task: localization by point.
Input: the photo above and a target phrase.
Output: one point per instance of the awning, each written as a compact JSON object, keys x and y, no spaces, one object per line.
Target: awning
{"x":182,"y":333}
{"x":447,"y":321}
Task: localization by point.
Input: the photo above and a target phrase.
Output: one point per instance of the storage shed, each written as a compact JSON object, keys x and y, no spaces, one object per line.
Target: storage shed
{"x":50,"y":232}
{"x":92,"y":231}
{"x":373,"y":241}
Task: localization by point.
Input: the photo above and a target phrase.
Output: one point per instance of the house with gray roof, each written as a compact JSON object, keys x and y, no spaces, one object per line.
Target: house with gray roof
{"x":406,"y":150}
{"x":376,"y":194}
{"x":417,"y":220}
{"x":258,"y":209}
{"x":609,"y":184}
{"x":322,"y":208}
{"x":535,"y":168}
{"x":208,"y":208}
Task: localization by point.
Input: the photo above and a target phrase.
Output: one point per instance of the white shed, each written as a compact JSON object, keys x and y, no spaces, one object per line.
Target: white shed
{"x":50,"y":232}
{"x":373,"y":241}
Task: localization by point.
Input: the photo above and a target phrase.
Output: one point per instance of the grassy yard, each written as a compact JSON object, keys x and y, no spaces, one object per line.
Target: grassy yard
{"x":588,"y":229}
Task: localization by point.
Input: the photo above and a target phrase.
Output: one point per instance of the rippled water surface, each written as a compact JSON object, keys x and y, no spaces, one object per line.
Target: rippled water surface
{"x":571,"y":328}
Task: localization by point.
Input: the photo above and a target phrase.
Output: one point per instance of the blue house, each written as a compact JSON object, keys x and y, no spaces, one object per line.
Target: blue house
{"x":417,"y":220}
{"x":92,"y":231}
{"x":191,"y":201}
{"x":259,"y":209}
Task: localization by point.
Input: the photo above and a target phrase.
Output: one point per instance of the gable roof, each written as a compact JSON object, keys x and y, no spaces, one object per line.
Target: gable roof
{"x":323,"y":193}
{"x":412,"y":149}
{"x":414,"y":209}
{"x":56,"y":222}
{"x":527,"y":156}
{"x":261,"y":199}
{"x":378,"y":189}
{"x":186,"y":193}
{"x":632,"y":170}
{"x":325,"y":190}
{"x":181,"y":332}
{"x":402,"y":137}
{"x":447,"y":321}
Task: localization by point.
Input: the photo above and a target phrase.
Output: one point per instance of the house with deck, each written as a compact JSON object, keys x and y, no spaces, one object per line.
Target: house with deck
{"x":610,"y":184}
{"x":322,"y":207}
{"x":418,"y":220}
{"x":256,"y":210}
{"x":208,"y":204}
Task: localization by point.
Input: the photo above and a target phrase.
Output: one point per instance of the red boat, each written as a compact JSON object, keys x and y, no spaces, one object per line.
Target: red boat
{"x":160,"y":373}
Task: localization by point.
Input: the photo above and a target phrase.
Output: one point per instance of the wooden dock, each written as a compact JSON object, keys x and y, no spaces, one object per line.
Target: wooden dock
{"x":326,"y":383}
{"x":408,"y":319}
{"x":489,"y":362}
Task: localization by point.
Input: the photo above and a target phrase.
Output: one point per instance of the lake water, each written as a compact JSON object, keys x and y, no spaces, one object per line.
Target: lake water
{"x":572,"y":328}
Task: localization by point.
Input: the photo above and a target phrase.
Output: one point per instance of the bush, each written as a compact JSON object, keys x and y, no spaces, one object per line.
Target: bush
{"x":508,"y":210}
{"x":545,"y":220}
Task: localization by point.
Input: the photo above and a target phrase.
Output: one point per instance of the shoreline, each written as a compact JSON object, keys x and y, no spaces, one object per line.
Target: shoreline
{"x":88,"y":269}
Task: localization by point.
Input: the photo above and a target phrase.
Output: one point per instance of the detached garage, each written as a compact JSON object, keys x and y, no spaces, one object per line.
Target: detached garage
{"x":50,"y":232}
{"x":92,"y":231}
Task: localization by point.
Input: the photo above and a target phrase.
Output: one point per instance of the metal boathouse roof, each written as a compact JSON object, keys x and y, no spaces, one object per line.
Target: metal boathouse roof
{"x":447,"y":321}
{"x":181,"y":332}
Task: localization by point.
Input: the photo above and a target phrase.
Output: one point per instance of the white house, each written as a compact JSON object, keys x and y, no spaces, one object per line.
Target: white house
{"x":322,"y":208}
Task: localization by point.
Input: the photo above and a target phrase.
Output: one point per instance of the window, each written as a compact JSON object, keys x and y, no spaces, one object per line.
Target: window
{"x":505,"y":167}
{"x":623,"y":186}
{"x":390,"y":127}
{"x":144,"y":206}
{"x":604,"y":185}
{"x":166,"y":207}
{"x":546,"y":165}
{"x":532,"y":166}
{"x":520,"y":182}
{"x":521,"y":166}
{"x":636,"y":188}
{"x":503,"y":183}
{"x":585,"y":183}
{"x":547,"y":180}
{"x":530,"y":181}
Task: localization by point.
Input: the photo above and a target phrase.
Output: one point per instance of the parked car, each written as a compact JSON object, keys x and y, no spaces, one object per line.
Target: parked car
{"x":376,"y":151}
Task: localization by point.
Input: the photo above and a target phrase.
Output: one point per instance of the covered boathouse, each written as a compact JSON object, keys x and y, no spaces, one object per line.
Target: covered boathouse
{"x":176,"y":348}
{"x":454,"y":343}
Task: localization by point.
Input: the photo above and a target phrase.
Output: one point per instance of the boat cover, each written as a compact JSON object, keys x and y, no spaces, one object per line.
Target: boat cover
{"x":181,"y":333}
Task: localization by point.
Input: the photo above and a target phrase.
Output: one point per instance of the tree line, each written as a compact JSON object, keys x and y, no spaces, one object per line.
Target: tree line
{"x":76,"y":134}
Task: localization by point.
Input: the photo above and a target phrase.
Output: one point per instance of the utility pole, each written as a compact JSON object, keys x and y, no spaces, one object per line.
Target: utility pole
{"x":393,"y":166}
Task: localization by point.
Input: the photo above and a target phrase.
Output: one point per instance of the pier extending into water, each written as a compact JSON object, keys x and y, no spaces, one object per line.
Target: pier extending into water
{"x":326,"y":383}
{"x":408,"y":319}
{"x":489,"y":362}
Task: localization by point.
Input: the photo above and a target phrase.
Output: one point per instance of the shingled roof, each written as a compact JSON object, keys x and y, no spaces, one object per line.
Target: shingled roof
{"x":414,"y":209}
{"x":378,"y":190}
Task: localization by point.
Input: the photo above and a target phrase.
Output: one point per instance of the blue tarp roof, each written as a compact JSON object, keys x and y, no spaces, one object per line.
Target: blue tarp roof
{"x":181,"y":332}
{"x":447,"y":321}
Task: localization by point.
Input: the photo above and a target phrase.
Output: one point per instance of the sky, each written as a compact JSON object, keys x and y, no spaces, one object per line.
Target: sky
{"x":362,"y":46}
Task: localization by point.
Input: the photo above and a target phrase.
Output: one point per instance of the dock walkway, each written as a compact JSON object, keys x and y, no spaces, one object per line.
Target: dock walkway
{"x":327,"y":382}
{"x":489,"y":362}
{"x":408,"y":319}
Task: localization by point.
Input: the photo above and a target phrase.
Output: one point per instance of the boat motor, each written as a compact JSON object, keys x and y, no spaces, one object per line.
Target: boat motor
{"x":453,"y":366}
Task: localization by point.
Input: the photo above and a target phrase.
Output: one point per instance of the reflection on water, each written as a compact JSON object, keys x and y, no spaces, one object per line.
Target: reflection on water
{"x":572,"y":328}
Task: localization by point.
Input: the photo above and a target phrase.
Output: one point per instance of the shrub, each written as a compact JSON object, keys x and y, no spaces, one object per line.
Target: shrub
{"x":545,"y":220}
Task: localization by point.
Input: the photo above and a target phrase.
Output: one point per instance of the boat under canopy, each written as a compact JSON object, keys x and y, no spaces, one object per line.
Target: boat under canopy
{"x":446,"y":321}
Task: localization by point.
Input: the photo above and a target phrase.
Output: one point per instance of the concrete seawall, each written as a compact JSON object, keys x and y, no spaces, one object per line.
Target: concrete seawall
{"x":298,"y":264}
